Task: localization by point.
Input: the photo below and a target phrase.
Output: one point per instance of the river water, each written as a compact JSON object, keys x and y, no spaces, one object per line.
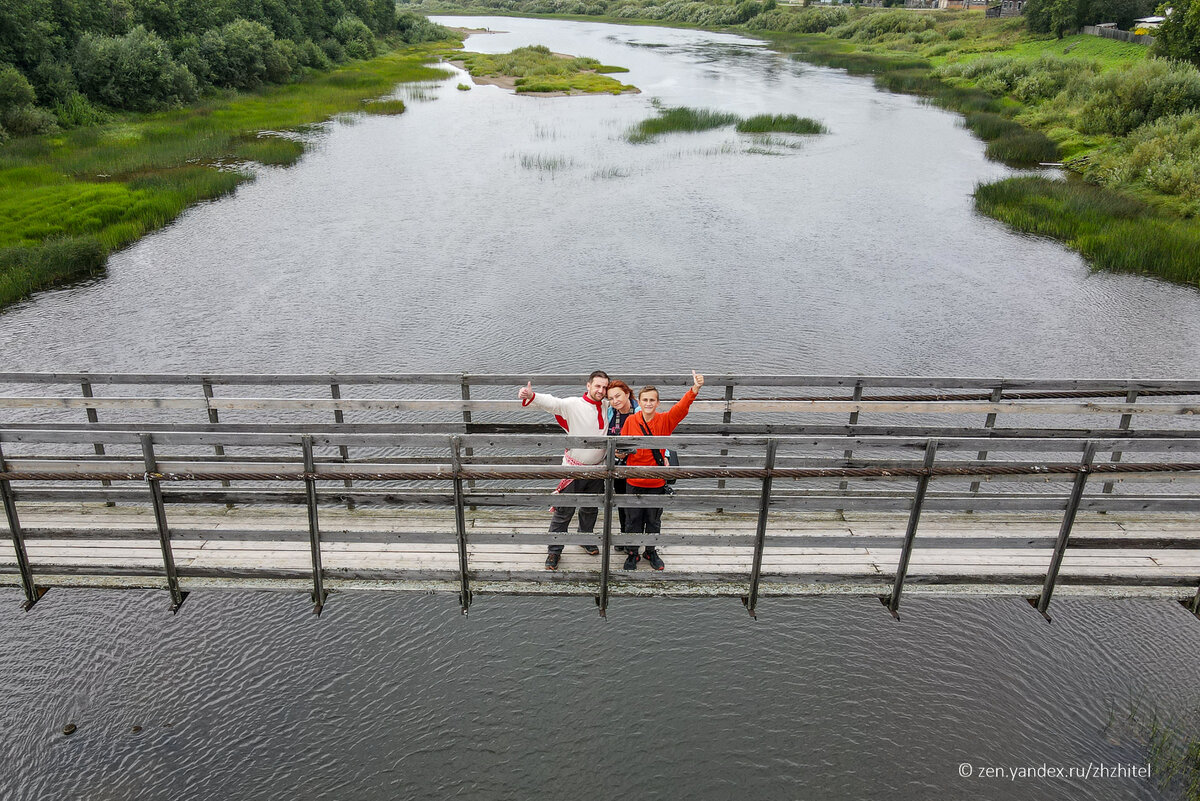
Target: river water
{"x":483,"y":231}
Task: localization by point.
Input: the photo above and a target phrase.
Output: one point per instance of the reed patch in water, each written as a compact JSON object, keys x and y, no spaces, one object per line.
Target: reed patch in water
{"x":275,"y":151}
{"x":680,"y":119}
{"x":1111,"y":230}
{"x":780,"y":123}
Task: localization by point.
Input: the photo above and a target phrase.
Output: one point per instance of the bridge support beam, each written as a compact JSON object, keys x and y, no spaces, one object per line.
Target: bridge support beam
{"x":760,"y":533}
{"x":1042,"y":602}
{"x":460,"y":526}
{"x":606,"y":546}
{"x":314,"y":527}
{"x":31,"y":590}
{"x":892,"y":601}
{"x":160,"y":520}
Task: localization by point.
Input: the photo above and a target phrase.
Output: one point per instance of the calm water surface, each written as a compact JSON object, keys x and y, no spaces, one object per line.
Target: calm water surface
{"x":482,"y":231}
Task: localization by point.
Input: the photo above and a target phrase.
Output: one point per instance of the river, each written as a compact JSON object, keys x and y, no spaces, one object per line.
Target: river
{"x":483,"y":231}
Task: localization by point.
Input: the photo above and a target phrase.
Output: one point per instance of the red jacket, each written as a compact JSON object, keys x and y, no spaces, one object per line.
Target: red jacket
{"x":661,"y":425}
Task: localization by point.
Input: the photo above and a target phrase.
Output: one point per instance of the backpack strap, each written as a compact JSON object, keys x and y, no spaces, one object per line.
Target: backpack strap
{"x":657,"y":454}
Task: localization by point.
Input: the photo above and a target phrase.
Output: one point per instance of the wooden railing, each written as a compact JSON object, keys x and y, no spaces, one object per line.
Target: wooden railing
{"x":929,"y":445}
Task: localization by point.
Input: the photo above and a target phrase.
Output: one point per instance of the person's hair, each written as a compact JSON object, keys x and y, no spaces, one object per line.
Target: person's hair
{"x":621,"y":385}
{"x":597,"y":374}
{"x":644,"y":390}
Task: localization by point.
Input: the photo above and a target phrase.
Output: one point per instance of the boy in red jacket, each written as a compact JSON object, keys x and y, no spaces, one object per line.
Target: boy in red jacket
{"x":648,"y":423}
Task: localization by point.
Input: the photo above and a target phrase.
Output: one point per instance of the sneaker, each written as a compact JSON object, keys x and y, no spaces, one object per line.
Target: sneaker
{"x":552,"y":561}
{"x":654,"y":559}
{"x":631,"y":560}
{"x":592,"y":550}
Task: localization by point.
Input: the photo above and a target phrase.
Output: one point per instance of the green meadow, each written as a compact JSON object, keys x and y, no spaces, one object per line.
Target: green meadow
{"x":69,"y":199}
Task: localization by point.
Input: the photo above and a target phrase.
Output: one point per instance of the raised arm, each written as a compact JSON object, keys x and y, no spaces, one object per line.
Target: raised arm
{"x":542,"y":400}
{"x":680,"y":409}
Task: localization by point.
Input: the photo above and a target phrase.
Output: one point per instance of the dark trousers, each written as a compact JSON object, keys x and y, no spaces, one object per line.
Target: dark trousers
{"x":587,"y":515}
{"x":644,"y":520}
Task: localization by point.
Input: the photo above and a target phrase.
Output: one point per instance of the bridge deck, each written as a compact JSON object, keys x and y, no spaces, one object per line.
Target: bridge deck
{"x":381,"y":549}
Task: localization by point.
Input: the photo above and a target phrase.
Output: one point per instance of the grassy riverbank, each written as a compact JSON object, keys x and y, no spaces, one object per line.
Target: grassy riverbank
{"x":535,"y":70}
{"x":1126,"y":124}
{"x":69,"y":199}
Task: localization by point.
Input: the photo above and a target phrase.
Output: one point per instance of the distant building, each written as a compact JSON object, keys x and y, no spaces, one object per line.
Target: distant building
{"x":964,"y":4}
{"x":1012,"y":8}
{"x":1149,"y":23}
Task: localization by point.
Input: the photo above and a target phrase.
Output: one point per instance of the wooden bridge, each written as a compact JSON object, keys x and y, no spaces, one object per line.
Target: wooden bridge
{"x":788,"y":485}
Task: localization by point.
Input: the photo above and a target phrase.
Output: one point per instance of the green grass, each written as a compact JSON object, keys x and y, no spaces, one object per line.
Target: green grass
{"x":1109,"y":53}
{"x":1111,"y":230}
{"x":537,"y":70}
{"x":69,"y":199}
{"x":672,"y":120}
{"x":780,"y":123}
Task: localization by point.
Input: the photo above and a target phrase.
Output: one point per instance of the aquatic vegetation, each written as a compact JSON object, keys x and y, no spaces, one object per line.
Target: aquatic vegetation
{"x":545,"y":163}
{"x":384,"y":107}
{"x":462,"y":87}
{"x":535,"y":69}
{"x":71,"y":198}
{"x":272,"y":150}
{"x":671,"y":120}
{"x":780,"y":123}
{"x":1111,"y":230}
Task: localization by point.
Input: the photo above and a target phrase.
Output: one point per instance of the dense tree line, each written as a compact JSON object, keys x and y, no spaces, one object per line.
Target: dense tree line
{"x":64,"y":61}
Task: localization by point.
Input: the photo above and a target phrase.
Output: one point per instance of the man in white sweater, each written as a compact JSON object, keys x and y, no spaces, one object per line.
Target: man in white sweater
{"x":581,"y":416}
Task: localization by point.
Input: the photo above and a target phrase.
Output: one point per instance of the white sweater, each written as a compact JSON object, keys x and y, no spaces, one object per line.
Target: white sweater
{"x":583,"y":419}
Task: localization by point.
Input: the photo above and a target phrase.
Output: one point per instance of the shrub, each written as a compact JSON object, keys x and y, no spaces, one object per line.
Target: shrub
{"x":15,"y":89}
{"x":28,"y":120}
{"x":1118,"y":101}
{"x":1163,"y":156}
{"x":135,"y":71}
{"x":414,"y":28}
{"x":75,"y":111}
{"x":355,"y":37}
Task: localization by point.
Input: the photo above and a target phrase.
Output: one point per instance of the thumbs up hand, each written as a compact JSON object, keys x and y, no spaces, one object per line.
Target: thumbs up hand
{"x":697,"y":381}
{"x":526,"y":393}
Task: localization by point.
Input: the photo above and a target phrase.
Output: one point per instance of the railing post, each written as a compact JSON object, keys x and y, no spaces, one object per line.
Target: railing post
{"x":760,"y":535}
{"x":727,"y":417}
{"x":160,"y":520}
{"x":466,"y":416}
{"x":610,"y":464}
{"x":849,"y":452}
{"x":31,"y":590}
{"x":990,"y":422}
{"x":460,"y":526}
{"x":94,"y":417}
{"x":314,"y":529}
{"x":892,"y":601}
{"x":1126,"y":420}
{"x":1042,"y":602}
{"x":335,"y":391}
{"x":214,"y":419}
